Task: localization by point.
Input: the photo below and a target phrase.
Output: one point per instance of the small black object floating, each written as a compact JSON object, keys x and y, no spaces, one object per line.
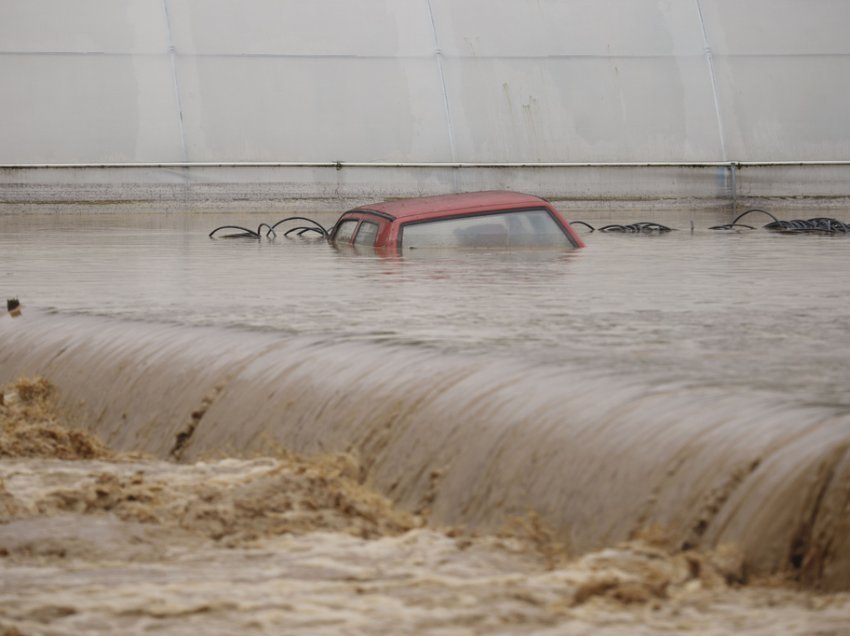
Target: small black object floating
{"x":12,"y":304}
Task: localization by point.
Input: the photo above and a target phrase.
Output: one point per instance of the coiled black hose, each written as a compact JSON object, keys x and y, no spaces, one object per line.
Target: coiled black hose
{"x":303,"y":230}
{"x":637,"y":228}
{"x":244,"y":233}
{"x":641,"y":227}
{"x":587,"y":225}
{"x":821,"y":225}
{"x":734,"y":223}
{"x":317,"y":227}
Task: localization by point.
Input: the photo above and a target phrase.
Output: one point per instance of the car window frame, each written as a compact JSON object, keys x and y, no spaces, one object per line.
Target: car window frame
{"x":383,"y":221}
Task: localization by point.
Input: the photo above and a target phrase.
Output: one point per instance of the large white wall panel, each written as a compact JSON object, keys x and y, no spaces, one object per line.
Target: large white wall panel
{"x":778,"y":27}
{"x":313,"y":109}
{"x":325,"y":80}
{"x":76,"y":108}
{"x":83,"y":26}
{"x":582,"y":109}
{"x":587,"y":80}
{"x":346,"y":28}
{"x":779,"y":108}
{"x":86,"y":81}
{"x":424,"y":80}
{"x":783,"y":77}
{"x":543,"y":28}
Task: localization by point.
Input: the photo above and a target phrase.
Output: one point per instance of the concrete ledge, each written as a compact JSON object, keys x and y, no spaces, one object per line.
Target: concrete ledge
{"x":314,"y":187}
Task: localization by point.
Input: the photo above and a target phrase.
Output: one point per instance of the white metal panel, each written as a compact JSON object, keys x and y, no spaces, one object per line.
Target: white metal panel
{"x":424,"y":80}
{"x":539,"y":28}
{"x":77,"y":108}
{"x":313,"y":109}
{"x":777,"y":27}
{"x":573,"y":110}
{"x":302,"y":27}
{"x":782,"y":69}
{"x":83,"y":26}
{"x":786,"y":108}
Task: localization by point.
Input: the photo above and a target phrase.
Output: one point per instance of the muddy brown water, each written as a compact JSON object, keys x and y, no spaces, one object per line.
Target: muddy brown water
{"x":694,"y":382}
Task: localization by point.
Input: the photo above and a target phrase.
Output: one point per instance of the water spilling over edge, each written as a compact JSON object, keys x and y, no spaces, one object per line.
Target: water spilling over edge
{"x":469,"y":440}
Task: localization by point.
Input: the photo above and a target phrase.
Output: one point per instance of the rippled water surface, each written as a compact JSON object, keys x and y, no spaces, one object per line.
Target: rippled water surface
{"x":752,"y":309}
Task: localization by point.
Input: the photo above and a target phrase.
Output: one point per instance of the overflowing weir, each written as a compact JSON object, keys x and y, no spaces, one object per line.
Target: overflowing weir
{"x":472,"y":439}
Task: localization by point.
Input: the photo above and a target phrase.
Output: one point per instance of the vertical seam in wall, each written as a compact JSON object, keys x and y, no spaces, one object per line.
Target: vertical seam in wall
{"x":172,"y":54}
{"x":439,"y":55}
{"x":710,"y":62}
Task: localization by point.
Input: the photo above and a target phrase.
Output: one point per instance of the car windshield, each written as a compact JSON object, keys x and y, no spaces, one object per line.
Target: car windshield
{"x":517,"y":228}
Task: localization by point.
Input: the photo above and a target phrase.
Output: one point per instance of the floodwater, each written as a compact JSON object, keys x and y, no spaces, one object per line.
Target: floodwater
{"x":690,"y":385}
{"x":755,"y":310}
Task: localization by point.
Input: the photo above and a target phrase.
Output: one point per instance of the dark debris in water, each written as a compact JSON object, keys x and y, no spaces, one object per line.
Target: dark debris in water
{"x":270,"y":230}
{"x":818,"y":225}
{"x":641,"y":227}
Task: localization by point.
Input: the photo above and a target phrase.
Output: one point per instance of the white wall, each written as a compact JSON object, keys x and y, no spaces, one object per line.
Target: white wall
{"x":424,"y":80}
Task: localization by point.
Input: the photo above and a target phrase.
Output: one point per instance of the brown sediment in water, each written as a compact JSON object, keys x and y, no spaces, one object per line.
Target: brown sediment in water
{"x":29,"y":425}
{"x":285,"y":494}
{"x":291,"y":543}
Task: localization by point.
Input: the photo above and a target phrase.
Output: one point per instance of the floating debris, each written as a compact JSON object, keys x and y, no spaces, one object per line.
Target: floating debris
{"x":270,"y":232}
{"x":13,"y":306}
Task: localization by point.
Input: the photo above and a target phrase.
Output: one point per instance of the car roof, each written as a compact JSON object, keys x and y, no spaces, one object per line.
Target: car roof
{"x":453,"y":203}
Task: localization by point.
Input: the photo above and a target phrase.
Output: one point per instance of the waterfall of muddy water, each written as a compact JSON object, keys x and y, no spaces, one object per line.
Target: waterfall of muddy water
{"x":694,"y":382}
{"x":111,"y":543}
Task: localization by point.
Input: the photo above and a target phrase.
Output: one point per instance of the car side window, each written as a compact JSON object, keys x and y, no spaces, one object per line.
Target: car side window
{"x":345,"y":230}
{"x":367,"y":234}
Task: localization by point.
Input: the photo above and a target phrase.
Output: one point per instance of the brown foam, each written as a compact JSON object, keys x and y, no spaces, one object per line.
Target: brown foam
{"x":29,"y":425}
{"x":114,"y":543}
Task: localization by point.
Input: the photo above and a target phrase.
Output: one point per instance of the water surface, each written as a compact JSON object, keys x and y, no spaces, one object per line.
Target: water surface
{"x":752,"y":310}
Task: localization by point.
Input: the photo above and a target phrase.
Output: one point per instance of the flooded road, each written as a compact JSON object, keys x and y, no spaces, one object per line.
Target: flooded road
{"x":692,"y":383}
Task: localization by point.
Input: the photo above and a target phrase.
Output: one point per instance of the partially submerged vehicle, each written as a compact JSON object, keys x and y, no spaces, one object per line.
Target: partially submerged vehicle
{"x":500,"y":219}
{"x":476,"y":219}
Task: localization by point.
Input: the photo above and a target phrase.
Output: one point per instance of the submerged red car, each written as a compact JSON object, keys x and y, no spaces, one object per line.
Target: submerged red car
{"x":475,"y":219}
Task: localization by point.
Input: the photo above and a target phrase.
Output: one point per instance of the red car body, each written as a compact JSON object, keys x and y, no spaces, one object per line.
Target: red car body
{"x":382,"y":225}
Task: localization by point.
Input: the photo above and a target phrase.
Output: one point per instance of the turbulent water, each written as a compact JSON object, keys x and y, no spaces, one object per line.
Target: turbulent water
{"x":690,"y":386}
{"x":102,"y":542}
